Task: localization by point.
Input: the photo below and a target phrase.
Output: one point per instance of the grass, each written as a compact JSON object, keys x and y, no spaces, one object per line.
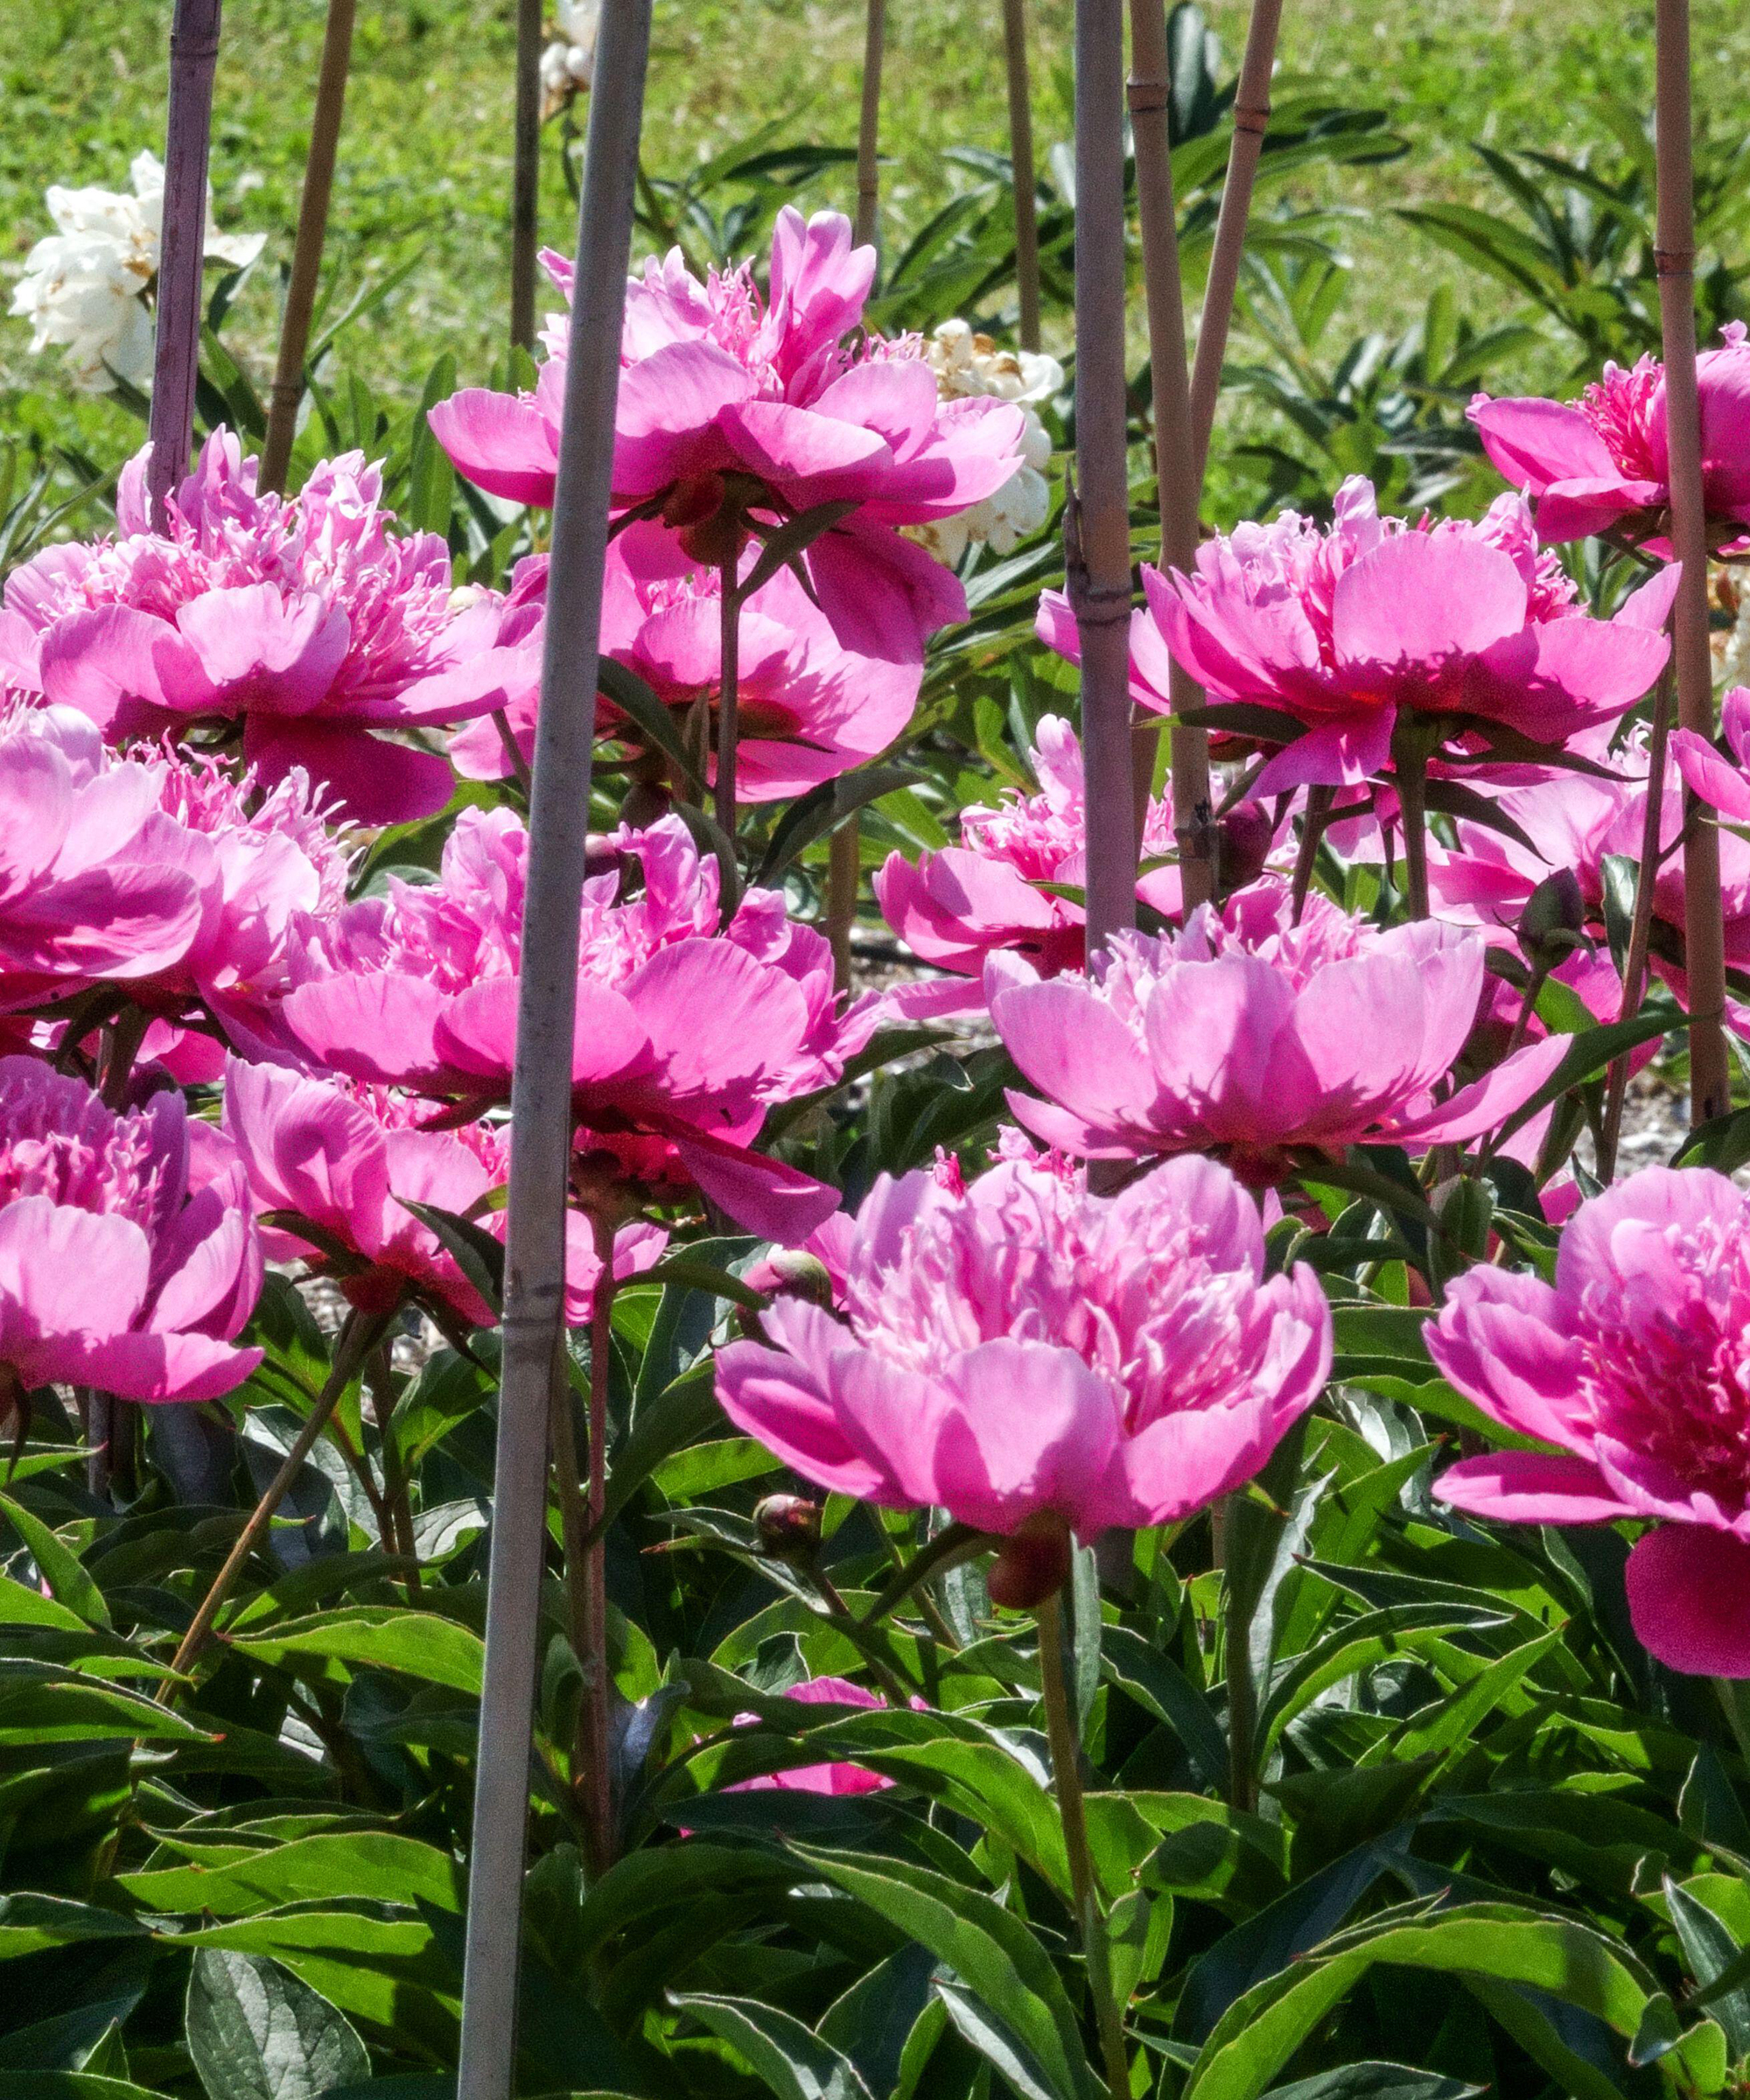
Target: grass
{"x":425,"y":169}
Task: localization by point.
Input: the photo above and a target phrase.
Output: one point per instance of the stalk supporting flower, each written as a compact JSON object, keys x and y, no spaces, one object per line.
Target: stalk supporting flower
{"x":541,"y":1111}
{"x":359,"y":1337}
{"x":1097,"y":522}
{"x":1179,"y":475}
{"x":1640,"y":926}
{"x":1022,"y":175}
{"x":176,"y":362}
{"x":1252,"y":119}
{"x":525,"y":187}
{"x":306,"y":252}
{"x":1673,"y":259}
{"x":1066,"y":1762}
{"x":600,"y":1810}
{"x":728,"y":699}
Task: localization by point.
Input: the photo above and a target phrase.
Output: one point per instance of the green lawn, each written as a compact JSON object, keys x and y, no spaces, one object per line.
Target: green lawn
{"x":425,"y":152}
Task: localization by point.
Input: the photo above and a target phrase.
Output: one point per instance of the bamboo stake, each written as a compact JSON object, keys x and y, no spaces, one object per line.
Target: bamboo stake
{"x":1673,"y":259}
{"x":525,"y":191}
{"x":1098,"y":518}
{"x":541,"y":1099}
{"x":869,"y":124}
{"x":845,"y":851}
{"x":306,"y":252}
{"x":1252,"y":119}
{"x":176,"y":356}
{"x":1023,"y":172}
{"x":1177,"y":467}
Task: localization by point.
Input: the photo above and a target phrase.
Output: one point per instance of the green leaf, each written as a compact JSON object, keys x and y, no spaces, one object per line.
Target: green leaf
{"x":376,"y":1865}
{"x":32,"y":1923}
{"x":68,"y":1582}
{"x":418,"y":1644}
{"x":998,"y":1957}
{"x":21,"y":1605}
{"x":255,"y":2033}
{"x":476,"y":1253}
{"x":635,"y":700}
{"x":1710,"y":1949}
{"x":1375,"y":2082}
{"x":791,"y":2059}
{"x":1158,"y":1684}
{"x":1260,"y":2031}
{"x":1588,"y":1055}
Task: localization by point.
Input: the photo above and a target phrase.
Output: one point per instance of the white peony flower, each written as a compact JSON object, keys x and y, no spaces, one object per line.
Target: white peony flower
{"x":567,"y":64}
{"x":86,"y":286}
{"x":966,"y":364}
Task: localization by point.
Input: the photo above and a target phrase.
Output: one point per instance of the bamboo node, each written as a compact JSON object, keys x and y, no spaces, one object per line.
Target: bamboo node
{"x":194,"y":51}
{"x":1097,"y":605}
{"x":1253,"y":118}
{"x":1673,"y":262}
{"x":1145,"y":96}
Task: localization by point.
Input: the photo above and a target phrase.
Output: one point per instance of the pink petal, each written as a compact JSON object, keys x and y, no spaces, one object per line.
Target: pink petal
{"x":381,"y":1026}
{"x":1689,"y":1596}
{"x":1416,"y":601}
{"x":1713,"y":778}
{"x":502,"y":445}
{"x":1531,"y":1487}
{"x":376,"y":780}
{"x":1533,"y":442}
{"x":1478,"y":1107}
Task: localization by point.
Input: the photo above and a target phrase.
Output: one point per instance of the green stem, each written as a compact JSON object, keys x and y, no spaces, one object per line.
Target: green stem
{"x":947,"y":1549}
{"x":1236,"y":1655}
{"x":728,"y":707}
{"x":1066,"y":1762}
{"x":358,"y":1338}
{"x":1412,"y":785}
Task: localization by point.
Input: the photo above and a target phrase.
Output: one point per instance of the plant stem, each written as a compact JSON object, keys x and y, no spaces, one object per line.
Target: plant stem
{"x":357,"y":1338}
{"x":525,"y":185}
{"x":1179,"y":473}
{"x":728,"y":700}
{"x":1066,"y":1764}
{"x":597,"y":1682}
{"x":1319,"y":801}
{"x":306,"y":251}
{"x":1236,"y":1658}
{"x":1097,"y":522}
{"x":176,"y":356}
{"x":1411,"y":778}
{"x":541,"y":1090}
{"x":953,"y":1543}
{"x":1674,"y":261}
{"x":1023,"y":176}
{"x":844,"y":884}
{"x":1641,"y":926}
{"x":393,"y":1508}
{"x":869,"y":124}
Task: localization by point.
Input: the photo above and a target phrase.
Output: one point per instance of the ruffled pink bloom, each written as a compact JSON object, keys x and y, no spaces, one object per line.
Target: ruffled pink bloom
{"x":115,"y":1271}
{"x":298,"y":621}
{"x":1253,"y":1038}
{"x":685,"y":1034}
{"x":730,"y":401}
{"x":346,"y":1161}
{"x":1576,"y":823}
{"x":809,"y":709}
{"x":956,"y":905}
{"x":156,"y":872}
{"x":1714,"y":778}
{"x":1635,"y":1365}
{"x":1340,"y":632}
{"x":1021,"y":1353}
{"x":1599,"y":464}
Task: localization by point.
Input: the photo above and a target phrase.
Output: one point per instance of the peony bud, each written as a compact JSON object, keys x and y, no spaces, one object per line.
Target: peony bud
{"x":1244,"y":836}
{"x":1031,"y":1564}
{"x":789,"y":1527}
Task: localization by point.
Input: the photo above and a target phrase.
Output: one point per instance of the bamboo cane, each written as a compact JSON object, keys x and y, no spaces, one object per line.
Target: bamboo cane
{"x":1674,"y":259}
{"x":1252,"y":119}
{"x":1022,"y":170}
{"x":541,"y":1100}
{"x":306,"y":251}
{"x":525,"y":191}
{"x":1097,"y":519}
{"x":1178,"y":471}
{"x":176,"y":357}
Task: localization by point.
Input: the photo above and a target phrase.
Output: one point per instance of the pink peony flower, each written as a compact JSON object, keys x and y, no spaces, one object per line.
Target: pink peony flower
{"x":1600,"y":465}
{"x":115,"y":1270}
{"x":1031,"y":1357}
{"x":685,"y":1034}
{"x":296,"y":621}
{"x":809,"y":709}
{"x":154,"y":873}
{"x":955,"y":906}
{"x":1713,"y":778}
{"x":1577,"y":823}
{"x":1253,"y":1038}
{"x":1345,"y":634}
{"x":1633,"y":1364}
{"x":837,"y":1778}
{"x":732,"y":404}
{"x":345,"y":1161}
